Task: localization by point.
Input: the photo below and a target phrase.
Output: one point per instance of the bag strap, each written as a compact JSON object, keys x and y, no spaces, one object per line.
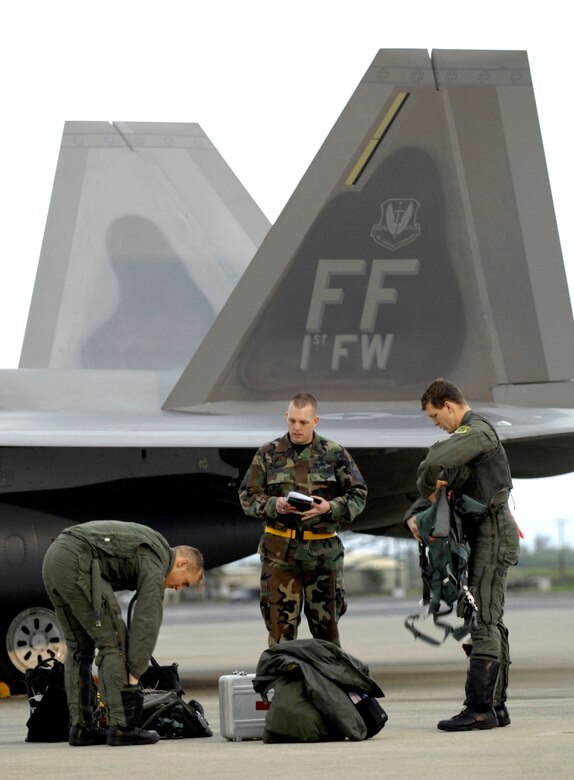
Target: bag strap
{"x":470,"y":611}
{"x":159,"y":712}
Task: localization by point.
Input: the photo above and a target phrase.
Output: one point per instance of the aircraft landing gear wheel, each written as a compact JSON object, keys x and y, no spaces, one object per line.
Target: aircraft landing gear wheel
{"x":30,"y":638}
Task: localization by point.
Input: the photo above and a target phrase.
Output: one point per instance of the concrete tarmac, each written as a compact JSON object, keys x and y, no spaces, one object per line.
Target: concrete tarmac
{"x":423,"y":684}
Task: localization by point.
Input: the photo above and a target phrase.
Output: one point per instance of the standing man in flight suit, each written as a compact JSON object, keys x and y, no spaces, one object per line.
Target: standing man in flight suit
{"x":473,"y":464}
{"x":301,"y":554}
{"x":82,"y":568}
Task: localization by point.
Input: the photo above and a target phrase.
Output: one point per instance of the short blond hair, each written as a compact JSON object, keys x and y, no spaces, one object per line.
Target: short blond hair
{"x":192,"y":554}
{"x":301,"y":400}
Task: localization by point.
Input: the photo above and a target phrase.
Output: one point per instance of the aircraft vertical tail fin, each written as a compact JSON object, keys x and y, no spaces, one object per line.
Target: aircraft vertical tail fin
{"x":147,"y":234}
{"x":421,"y":242}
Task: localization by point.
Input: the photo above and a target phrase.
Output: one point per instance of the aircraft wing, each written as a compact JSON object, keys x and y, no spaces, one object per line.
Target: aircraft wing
{"x":115,"y":409}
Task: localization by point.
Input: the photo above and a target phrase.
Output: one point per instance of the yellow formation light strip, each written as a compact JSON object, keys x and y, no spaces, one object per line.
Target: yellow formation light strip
{"x":376,"y":138}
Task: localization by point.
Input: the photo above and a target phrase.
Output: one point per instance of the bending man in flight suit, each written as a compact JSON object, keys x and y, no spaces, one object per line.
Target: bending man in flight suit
{"x":473,"y":464}
{"x":82,"y":568}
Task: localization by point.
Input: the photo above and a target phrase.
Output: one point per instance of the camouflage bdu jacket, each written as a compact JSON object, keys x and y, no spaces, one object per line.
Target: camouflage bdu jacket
{"x":324,"y":469}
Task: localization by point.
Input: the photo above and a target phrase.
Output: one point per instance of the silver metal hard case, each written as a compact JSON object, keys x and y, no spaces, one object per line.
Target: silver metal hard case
{"x":241,"y":710}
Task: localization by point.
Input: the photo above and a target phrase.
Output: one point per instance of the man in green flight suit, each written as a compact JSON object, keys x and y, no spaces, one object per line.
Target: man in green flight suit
{"x":301,"y":554}
{"x":473,"y":464}
{"x":82,"y":568}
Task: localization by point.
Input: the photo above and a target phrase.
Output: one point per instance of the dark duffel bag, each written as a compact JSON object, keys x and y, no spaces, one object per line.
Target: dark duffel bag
{"x":161,"y":678}
{"x":49,"y":719}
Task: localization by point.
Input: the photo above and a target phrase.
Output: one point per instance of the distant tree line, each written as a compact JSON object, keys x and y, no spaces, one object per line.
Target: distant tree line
{"x":545,"y":553}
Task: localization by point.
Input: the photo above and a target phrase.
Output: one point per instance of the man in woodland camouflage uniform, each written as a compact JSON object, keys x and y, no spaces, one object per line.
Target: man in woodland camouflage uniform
{"x":301,"y":554}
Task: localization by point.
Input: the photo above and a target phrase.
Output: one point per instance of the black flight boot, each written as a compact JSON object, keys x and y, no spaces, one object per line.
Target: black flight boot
{"x":87,"y":732}
{"x":132,"y":733}
{"x":502,"y":714}
{"x":81,"y":736}
{"x":478,"y":712}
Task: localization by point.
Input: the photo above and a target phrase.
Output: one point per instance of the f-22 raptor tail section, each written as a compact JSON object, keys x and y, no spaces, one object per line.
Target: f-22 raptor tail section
{"x":421,"y":242}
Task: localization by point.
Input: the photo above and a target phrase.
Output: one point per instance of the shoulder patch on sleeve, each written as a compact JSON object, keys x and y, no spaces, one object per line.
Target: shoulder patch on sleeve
{"x":463,"y":429}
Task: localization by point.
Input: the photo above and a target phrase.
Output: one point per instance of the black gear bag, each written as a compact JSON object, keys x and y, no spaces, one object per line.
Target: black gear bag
{"x":49,"y":719}
{"x":164,"y":709}
{"x":168,"y":714}
{"x":161,"y":678}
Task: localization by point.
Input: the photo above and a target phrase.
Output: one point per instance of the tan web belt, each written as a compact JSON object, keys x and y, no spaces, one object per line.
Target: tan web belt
{"x":296,"y":533}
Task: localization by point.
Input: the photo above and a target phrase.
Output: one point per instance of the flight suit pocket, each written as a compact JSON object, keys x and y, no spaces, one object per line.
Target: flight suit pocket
{"x":84,"y":575}
{"x":509,"y":539}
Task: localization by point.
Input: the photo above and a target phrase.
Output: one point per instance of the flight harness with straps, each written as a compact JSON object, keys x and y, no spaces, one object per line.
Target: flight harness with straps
{"x":443,"y":559}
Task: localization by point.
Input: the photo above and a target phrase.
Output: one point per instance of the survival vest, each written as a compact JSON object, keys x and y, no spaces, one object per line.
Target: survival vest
{"x":443,"y":559}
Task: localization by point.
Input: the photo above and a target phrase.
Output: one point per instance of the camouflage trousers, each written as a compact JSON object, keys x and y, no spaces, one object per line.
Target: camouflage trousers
{"x":296,"y":576}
